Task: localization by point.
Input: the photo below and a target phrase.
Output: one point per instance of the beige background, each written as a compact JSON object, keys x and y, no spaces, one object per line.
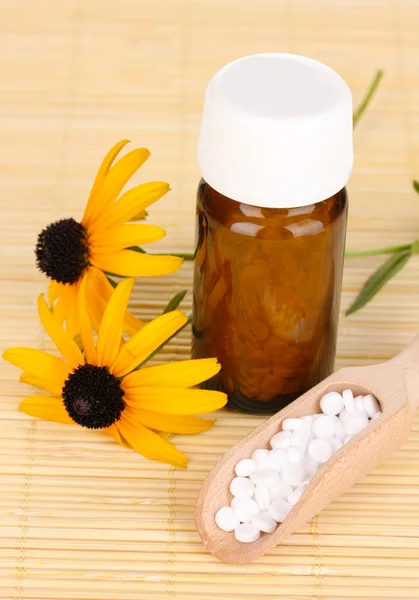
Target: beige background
{"x":81,"y":518}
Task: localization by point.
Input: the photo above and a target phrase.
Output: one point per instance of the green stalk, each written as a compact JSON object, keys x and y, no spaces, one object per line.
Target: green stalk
{"x":184,"y":255}
{"x":368,"y":97}
{"x":376,"y":251}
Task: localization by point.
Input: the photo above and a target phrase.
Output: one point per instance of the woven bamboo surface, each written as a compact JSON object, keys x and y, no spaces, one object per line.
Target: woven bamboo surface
{"x":80,"y":517}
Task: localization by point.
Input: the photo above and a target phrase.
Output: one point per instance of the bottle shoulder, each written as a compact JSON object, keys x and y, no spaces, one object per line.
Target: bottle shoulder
{"x":270,"y":223}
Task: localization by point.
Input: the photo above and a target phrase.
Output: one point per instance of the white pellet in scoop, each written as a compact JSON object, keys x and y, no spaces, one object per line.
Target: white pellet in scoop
{"x":336,"y":444}
{"x":277,"y":458}
{"x":264,"y":522}
{"x":294,"y":455}
{"x":301,"y":438}
{"x":348,"y":400}
{"x":281,"y":439}
{"x":340,"y":433}
{"x":331,"y":403}
{"x":262,"y":497}
{"x":266,"y":477}
{"x":324,"y":427}
{"x":344,"y":416}
{"x":245,"y":467}
{"x":280,"y":491}
{"x":320,"y":450}
{"x":271,"y":482}
{"x":246,"y":509}
{"x":293,"y":474}
{"x":246,"y":533}
{"x":356,"y":423}
{"x":241,"y":487}
{"x":261,"y":457}
{"x":279,"y":510}
{"x":359,"y":404}
{"x":291,"y":424}
{"x":226,"y":519}
{"x":294,"y":497}
{"x":371,"y":405}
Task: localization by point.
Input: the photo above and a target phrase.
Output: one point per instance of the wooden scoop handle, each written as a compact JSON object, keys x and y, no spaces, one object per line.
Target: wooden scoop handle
{"x":409,"y":360}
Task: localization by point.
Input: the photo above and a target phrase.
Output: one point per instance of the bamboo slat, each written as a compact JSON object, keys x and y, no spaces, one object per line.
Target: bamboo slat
{"x":80,"y":517}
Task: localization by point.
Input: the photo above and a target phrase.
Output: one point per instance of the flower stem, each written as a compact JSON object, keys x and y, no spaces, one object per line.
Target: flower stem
{"x":376,"y":251}
{"x":368,"y":97}
{"x":184,"y":255}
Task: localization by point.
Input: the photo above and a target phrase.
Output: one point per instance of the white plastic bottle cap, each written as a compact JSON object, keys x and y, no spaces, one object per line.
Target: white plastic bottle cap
{"x":276,"y":131}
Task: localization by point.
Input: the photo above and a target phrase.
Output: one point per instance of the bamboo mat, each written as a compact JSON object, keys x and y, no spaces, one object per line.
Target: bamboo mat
{"x":80,"y":517}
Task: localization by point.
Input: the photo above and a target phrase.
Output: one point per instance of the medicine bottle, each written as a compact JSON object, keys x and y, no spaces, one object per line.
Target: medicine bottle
{"x":275,"y":153}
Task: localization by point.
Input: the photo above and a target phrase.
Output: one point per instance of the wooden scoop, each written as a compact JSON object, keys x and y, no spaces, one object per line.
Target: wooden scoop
{"x":394,"y":383}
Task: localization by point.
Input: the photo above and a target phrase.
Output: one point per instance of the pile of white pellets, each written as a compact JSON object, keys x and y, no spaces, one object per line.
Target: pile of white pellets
{"x":270,"y":482}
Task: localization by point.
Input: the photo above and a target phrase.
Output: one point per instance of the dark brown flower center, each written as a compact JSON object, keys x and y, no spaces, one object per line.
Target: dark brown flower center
{"x":93,"y":397}
{"x":62,"y":252}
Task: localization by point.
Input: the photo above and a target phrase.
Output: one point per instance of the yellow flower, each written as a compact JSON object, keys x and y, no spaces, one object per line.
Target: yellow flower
{"x":100,"y":387}
{"x":102,"y":239}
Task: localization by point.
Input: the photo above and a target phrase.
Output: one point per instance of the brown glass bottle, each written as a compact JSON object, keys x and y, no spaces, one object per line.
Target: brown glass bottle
{"x":266,"y":296}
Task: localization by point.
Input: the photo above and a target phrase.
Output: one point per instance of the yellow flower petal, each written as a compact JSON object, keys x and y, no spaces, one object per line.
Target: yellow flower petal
{"x":100,"y":178}
{"x":148,"y":443}
{"x":175,"y":401}
{"x":48,"y":385}
{"x":54,"y":291}
{"x":61,"y":339}
{"x":115,"y":180}
{"x":117,"y":238}
{"x":71,"y":311}
{"x":146,"y":341}
{"x":99,"y":291}
{"x":85,"y":325}
{"x":131,"y":203}
{"x":132,"y":324}
{"x":113,"y":431}
{"x":110,"y":331}
{"x":60,"y":308}
{"x":45,"y":407}
{"x":40,"y":365}
{"x":133,"y":264}
{"x":172,"y":423}
{"x":182,"y":374}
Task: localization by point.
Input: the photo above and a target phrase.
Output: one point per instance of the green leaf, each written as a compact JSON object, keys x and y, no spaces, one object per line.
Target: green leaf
{"x":375,"y":251}
{"x":416,"y":185}
{"x":368,"y":97}
{"x":164,"y":344}
{"x":382,"y":275}
{"x":111,"y":281}
{"x":175,"y":301}
{"x":137,"y":249}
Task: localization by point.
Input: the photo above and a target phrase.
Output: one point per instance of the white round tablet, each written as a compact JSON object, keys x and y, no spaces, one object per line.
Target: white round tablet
{"x":371,"y":405}
{"x":331,"y":403}
{"x":320,"y":450}
{"x":324,"y":427}
{"x":246,"y":509}
{"x":260,"y":457}
{"x":226,"y":519}
{"x":264,"y":522}
{"x":246,"y":533}
{"x":277,"y":458}
{"x":282,"y":439}
{"x":266,"y":477}
{"x":356,"y":423}
{"x":241,"y":487}
{"x":293,"y":473}
{"x":279,"y":510}
{"x":245,"y":467}
{"x":262,"y":497}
